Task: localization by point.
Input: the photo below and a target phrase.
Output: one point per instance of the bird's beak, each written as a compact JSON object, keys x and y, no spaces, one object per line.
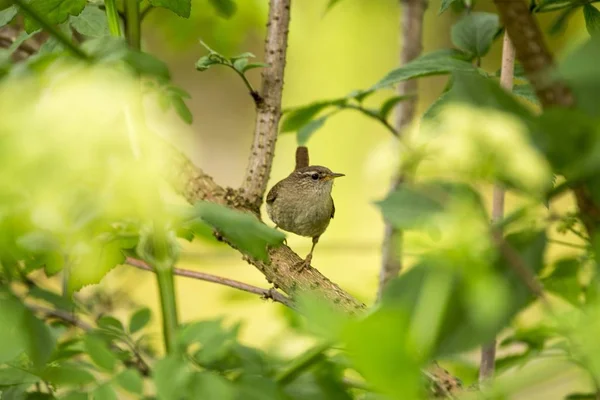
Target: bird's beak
{"x":333,"y":176}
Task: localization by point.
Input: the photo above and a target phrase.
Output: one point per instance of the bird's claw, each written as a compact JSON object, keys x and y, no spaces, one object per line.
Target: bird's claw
{"x":302,"y":265}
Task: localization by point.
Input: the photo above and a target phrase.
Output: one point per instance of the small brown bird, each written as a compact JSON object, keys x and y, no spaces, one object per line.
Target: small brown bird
{"x":302,"y":203}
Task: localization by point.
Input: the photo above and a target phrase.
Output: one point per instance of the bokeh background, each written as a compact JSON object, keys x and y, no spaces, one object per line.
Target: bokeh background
{"x":330,"y":54}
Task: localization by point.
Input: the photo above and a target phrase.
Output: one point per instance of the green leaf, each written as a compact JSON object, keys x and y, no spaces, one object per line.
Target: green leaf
{"x":527,"y":92}
{"x":130,"y":380}
{"x":307,"y":130}
{"x":110,"y":323}
{"x":560,"y":22}
{"x":67,"y":374}
{"x":104,"y":392}
{"x":564,"y":281}
{"x":139,"y":319}
{"x":147,"y":64}
{"x":54,"y":11}
{"x":439,"y":62}
{"x":255,"y":65}
{"x":38,"y":242}
{"x":172,"y":376}
{"x":21,"y":331}
{"x":210,"y":386}
{"x":205,"y":62}
{"x":331,"y":4}
{"x":217,"y":341}
{"x":75,"y":395}
{"x":240,"y":64}
{"x":179,"y":7}
{"x":553,"y":5}
{"x":15,"y":376}
{"x":58,"y":301}
{"x":242,"y":229}
{"x":94,"y":263}
{"x":224,"y":8}
{"x":299,"y":117}
{"x":182,"y":109}
{"x":91,"y":22}
{"x":7,"y":15}
{"x":592,"y":19}
{"x":475,"y":32}
{"x":444,"y":6}
{"x":389,"y":104}
{"x":582,"y":396}
{"x":99,"y":352}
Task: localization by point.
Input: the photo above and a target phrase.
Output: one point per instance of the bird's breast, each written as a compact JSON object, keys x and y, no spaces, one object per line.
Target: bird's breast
{"x":302,"y":216}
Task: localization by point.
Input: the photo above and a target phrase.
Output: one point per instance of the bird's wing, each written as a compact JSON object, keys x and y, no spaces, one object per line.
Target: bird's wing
{"x":272,"y":195}
{"x":332,"y":208}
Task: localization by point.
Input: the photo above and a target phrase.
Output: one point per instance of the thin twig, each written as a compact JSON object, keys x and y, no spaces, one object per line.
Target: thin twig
{"x":65,"y":316}
{"x":411,"y":25}
{"x":265,"y":293}
{"x":488,"y":351}
{"x":268,"y":110}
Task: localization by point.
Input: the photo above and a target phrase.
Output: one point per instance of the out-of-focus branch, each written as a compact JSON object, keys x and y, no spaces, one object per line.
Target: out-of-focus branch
{"x":411,"y":24}
{"x":537,"y":61}
{"x":268,"y":110}
{"x":488,"y":351}
{"x":265,"y":293}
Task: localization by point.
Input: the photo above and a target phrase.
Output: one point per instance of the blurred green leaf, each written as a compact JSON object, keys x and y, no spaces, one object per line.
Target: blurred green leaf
{"x":243,"y":229}
{"x":388,"y":105}
{"x":21,"y":331}
{"x":91,"y":22}
{"x":255,"y":65}
{"x":527,"y":92}
{"x":216,"y":340}
{"x":256,"y":387}
{"x":99,"y":352}
{"x":210,"y":386}
{"x":171,"y":376}
{"x":582,"y":396}
{"x":224,"y":8}
{"x":564,"y":281}
{"x":139,"y":319}
{"x":15,"y":376}
{"x":38,"y":242}
{"x":560,"y":22}
{"x":440,"y":62}
{"x":54,"y":11}
{"x":7,"y":15}
{"x":553,"y":5}
{"x":57,"y":301}
{"x":412,"y":206}
{"x":67,"y":374}
{"x":179,"y":7}
{"x":299,"y":117}
{"x":475,"y":32}
{"x":444,"y":5}
{"x":130,"y":380}
{"x":309,"y":129}
{"x":331,"y":4}
{"x":93,"y":263}
{"x":324,"y":381}
{"x":75,"y":395}
{"x":147,"y":64}
{"x":110,"y":323}
{"x":104,"y":392}
{"x":592,"y":19}
{"x":240,"y":64}
{"x":205,"y":62}
{"x":322,"y":319}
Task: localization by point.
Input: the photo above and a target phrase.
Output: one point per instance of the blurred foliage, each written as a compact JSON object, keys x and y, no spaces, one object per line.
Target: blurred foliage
{"x":81,"y":189}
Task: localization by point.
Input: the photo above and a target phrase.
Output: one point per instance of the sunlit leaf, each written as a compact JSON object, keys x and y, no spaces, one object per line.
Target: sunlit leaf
{"x":67,"y":374}
{"x":99,"y":352}
{"x":130,"y":380}
{"x":104,"y":392}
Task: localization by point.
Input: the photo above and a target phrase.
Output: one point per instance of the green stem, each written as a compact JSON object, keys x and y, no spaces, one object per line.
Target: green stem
{"x":369,"y":114}
{"x":133,"y":27}
{"x":112,"y":15}
{"x":168,"y":305}
{"x":301,"y":363}
{"x":57,"y":34}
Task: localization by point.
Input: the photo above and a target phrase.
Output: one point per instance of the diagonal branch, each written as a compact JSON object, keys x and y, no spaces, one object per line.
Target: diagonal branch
{"x":265,"y":293}
{"x":268,"y":110}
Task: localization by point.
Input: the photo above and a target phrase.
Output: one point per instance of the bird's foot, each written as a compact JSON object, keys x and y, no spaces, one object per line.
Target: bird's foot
{"x":302,"y":265}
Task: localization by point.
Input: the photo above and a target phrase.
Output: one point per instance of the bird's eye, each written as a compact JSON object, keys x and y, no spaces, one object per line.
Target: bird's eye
{"x":315,"y":176}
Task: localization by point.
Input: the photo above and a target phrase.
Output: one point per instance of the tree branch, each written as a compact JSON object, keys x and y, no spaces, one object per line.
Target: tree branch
{"x":265,"y":293}
{"x":411,"y":39}
{"x":268,"y":113}
{"x":537,"y":61}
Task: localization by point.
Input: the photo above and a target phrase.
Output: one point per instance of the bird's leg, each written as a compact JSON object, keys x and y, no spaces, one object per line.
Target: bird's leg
{"x":306,"y":262}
